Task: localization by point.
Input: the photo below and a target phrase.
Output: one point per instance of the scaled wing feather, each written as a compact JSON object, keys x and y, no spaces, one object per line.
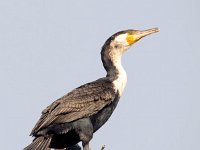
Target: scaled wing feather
{"x":84,"y":101}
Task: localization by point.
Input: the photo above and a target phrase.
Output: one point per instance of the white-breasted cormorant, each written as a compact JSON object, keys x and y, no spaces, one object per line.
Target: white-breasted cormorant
{"x":78,"y":114}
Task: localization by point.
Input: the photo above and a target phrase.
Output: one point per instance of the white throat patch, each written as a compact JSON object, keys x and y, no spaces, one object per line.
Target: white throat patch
{"x":121,"y":80}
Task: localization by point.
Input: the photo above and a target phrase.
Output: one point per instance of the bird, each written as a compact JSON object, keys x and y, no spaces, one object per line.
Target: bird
{"x":76,"y":116}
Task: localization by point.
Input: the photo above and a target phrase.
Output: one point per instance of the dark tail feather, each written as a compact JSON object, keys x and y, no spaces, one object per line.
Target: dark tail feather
{"x":40,"y":143}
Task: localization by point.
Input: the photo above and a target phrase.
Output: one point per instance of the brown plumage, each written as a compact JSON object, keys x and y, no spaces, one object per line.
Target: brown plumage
{"x":77,"y":115}
{"x":84,"y":101}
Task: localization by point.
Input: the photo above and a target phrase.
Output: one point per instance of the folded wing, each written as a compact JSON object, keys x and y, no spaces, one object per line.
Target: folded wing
{"x":82,"y":102}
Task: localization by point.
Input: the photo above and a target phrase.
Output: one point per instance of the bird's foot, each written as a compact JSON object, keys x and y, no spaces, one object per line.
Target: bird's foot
{"x":103,"y":147}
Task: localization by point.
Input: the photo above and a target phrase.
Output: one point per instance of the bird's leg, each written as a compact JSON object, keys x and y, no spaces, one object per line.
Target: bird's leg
{"x":86,"y":146}
{"x":84,"y":129}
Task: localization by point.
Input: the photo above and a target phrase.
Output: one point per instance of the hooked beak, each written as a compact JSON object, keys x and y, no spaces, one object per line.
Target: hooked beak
{"x":143,"y":33}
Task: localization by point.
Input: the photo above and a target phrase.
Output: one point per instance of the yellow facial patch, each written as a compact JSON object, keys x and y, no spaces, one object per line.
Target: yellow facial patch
{"x":130,"y":39}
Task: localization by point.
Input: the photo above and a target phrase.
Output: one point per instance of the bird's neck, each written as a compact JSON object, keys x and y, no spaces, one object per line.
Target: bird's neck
{"x":115,"y":70}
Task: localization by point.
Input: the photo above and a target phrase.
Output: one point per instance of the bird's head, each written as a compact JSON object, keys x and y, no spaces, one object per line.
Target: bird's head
{"x":119,"y":42}
{"x":125,"y":39}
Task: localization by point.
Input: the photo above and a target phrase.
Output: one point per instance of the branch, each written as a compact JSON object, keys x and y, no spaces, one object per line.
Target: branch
{"x":103,"y":147}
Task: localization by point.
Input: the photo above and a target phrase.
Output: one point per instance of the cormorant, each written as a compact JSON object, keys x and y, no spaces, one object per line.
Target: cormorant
{"x":78,"y":114}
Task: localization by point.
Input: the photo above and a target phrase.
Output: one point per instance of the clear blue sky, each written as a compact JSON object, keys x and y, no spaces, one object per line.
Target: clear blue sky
{"x":48,"y":47}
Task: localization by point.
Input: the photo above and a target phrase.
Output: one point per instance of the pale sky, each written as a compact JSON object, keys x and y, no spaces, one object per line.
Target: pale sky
{"x":48,"y":47}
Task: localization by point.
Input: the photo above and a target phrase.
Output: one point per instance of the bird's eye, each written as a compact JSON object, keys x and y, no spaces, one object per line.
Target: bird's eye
{"x":117,"y":46}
